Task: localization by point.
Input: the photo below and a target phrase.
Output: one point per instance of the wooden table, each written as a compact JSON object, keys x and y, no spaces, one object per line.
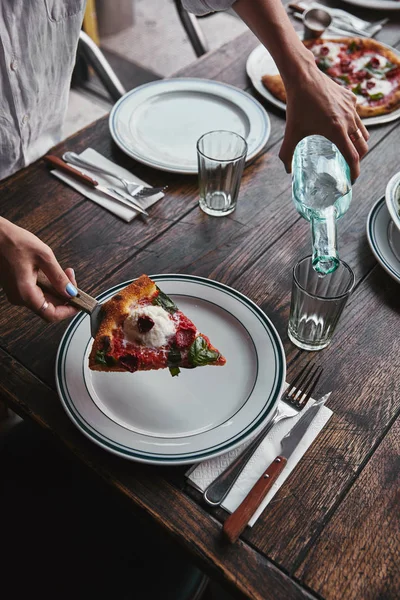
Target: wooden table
{"x":332,"y":531}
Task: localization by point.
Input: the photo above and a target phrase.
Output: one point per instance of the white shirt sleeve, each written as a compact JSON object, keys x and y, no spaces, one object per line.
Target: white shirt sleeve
{"x":202,"y":7}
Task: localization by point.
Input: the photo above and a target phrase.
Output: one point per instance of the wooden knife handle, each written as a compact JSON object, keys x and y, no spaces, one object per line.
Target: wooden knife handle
{"x":82,"y":301}
{"x":237,"y":521}
{"x":58,"y":163}
{"x":300,"y":7}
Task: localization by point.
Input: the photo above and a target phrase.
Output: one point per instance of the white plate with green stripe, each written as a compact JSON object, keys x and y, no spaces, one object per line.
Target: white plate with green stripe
{"x":154,"y":418}
{"x":384,"y":238}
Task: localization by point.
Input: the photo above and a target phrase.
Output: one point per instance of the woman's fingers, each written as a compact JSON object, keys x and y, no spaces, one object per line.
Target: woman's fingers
{"x":57,"y":277}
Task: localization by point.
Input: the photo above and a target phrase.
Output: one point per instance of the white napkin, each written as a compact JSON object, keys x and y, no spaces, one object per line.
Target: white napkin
{"x":124,"y":212}
{"x":200,"y":476}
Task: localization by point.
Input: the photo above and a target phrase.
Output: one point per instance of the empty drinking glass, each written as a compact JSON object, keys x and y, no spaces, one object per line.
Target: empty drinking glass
{"x":317,"y":303}
{"x":221,"y":158}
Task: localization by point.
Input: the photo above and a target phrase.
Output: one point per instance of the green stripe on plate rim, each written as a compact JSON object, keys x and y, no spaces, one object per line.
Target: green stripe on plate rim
{"x":123,"y":450}
{"x":371,"y":228}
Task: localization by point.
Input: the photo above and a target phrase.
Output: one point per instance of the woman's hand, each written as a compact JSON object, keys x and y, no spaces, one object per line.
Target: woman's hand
{"x":318,"y":105}
{"x":22,"y":254}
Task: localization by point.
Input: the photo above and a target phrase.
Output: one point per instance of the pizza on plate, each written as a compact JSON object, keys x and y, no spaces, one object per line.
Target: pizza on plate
{"x":142,"y":329}
{"x":364,"y":66}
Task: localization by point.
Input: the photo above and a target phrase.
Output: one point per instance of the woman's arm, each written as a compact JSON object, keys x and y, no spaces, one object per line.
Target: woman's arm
{"x":22,"y":254}
{"x":315,"y":103}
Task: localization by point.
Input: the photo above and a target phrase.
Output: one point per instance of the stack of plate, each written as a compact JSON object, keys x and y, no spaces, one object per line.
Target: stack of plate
{"x":383,"y":228}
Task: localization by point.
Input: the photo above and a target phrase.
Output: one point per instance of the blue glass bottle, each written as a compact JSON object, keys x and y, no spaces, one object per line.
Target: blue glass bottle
{"x":321,"y":190}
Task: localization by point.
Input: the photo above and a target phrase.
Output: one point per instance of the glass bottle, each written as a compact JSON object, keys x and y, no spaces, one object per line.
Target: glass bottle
{"x":321,"y":190}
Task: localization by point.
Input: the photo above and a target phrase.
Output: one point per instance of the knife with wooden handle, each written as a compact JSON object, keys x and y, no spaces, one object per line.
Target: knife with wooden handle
{"x":237,"y":521}
{"x":58,"y":163}
{"x":82,"y":301}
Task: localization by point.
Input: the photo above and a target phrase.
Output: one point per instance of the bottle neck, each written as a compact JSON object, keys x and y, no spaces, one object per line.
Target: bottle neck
{"x":324,"y":239}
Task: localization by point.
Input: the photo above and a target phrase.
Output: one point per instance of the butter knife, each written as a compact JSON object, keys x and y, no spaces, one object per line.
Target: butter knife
{"x":237,"y":521}
{"x":57,"y":163}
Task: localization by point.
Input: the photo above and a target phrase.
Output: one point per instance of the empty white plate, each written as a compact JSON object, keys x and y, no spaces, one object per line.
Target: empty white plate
{"x":156,"y":418}
{"x":159,"y":123}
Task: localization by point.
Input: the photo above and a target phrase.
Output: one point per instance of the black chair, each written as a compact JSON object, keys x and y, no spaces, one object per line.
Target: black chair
{"x":192,"y":28}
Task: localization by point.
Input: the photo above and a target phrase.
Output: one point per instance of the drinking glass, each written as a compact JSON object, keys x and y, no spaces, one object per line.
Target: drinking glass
{"x":317,"y":303}
{"x":221,"y":158}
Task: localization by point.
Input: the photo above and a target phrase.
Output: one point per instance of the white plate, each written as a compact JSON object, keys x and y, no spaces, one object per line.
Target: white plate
{"x":392,"y":196}
{"x":155,"y":418}
{"x":159,"y":123}
{"x":376,"y":4}
{"x":384,"y":239}
{"x":260,"y":63}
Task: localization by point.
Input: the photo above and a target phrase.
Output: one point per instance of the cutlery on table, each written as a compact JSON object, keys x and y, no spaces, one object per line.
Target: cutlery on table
{"x":342,"y":20}
{"x":237,"y":521}
{"x":136,"y":189}
{"x":57,"y":163}
{"x":290,"y":404}
{"x":82,"y":301}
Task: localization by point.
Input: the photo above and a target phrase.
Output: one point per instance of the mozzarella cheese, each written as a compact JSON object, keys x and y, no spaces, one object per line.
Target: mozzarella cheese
{"x":382,"y":86}
{"x":163,"y":329}
{"x":333,"y":54}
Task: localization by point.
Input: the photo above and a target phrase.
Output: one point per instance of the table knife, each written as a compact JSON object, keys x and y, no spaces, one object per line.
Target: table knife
{"x":82,"y":301}
{"x":58,"y":163}
{"x":237,"y":521}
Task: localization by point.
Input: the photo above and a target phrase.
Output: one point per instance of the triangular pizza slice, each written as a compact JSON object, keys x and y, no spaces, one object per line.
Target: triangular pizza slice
{"x":142,"y":329}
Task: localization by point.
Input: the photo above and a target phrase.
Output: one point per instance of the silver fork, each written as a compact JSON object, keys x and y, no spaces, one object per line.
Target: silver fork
{"x":292,"y":401}
{"x":135,"y":189}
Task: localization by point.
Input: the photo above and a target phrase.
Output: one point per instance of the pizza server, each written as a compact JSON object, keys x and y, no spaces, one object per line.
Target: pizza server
{"x":82,"y":301}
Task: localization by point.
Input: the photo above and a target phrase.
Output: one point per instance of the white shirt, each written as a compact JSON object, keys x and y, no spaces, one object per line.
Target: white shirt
{"x":202,"y":7}
{"x":38,"y":41}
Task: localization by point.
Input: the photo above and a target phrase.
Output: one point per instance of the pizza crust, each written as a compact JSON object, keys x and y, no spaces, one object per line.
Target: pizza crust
{"x":274,"y":83}
{"x":113,"y":314}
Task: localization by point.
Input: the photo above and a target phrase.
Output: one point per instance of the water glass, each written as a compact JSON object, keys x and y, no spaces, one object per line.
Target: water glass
{"x":221,"y":158}
{"x":317,"y":303}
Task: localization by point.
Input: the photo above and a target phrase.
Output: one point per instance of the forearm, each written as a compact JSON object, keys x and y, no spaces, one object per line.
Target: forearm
{"x":270,"y":23}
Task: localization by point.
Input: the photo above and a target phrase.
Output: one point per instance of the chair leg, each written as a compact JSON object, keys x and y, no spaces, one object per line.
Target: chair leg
{"x":96,"y":59}
{"x":192,"y":29}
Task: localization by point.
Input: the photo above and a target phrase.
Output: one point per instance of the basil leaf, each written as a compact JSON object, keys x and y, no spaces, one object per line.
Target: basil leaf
{"x":344,"y":79}
{"x":357,"y":89}
{"x":200,"y":354}
{"x":165,"y":302}
{"x":377,"y":96}
{"x":101,"y":357}
{"x":323,"y":65}
{"x":353,"y":46}
{"x":174,"y":357}
{"x":174,"y":371}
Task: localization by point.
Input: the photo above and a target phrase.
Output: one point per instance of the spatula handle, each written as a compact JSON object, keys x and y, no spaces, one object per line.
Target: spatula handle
{"x":82,"y":301}
{"x":56,"y":162}
{"x":237,"y":521}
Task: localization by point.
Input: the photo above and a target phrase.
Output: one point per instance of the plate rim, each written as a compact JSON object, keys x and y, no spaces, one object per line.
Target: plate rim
{"x":392,"y":182}
{"x":182,"y":170}
{"x":373,"y":5}
{"x":368,"y":121}
{"x":205,"y":454}
{"x":372,"y":216}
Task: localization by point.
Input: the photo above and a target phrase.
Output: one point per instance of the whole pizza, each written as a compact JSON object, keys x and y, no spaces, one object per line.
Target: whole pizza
{"x":362,"y":65}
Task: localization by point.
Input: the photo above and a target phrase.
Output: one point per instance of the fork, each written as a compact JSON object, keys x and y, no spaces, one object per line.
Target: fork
{"x":292,"y":401}
{"x":130,"y":186}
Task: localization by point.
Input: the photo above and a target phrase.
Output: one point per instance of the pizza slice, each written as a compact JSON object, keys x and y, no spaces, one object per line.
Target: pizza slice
{"x":142,"y":329}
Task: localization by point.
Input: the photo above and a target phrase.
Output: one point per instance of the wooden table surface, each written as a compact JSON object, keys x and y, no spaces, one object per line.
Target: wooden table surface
{"x":332,"y":530}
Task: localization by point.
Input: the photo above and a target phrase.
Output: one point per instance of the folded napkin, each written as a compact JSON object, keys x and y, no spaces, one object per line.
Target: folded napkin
{"x":200,"y":476}
{"x":121,"y":210}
